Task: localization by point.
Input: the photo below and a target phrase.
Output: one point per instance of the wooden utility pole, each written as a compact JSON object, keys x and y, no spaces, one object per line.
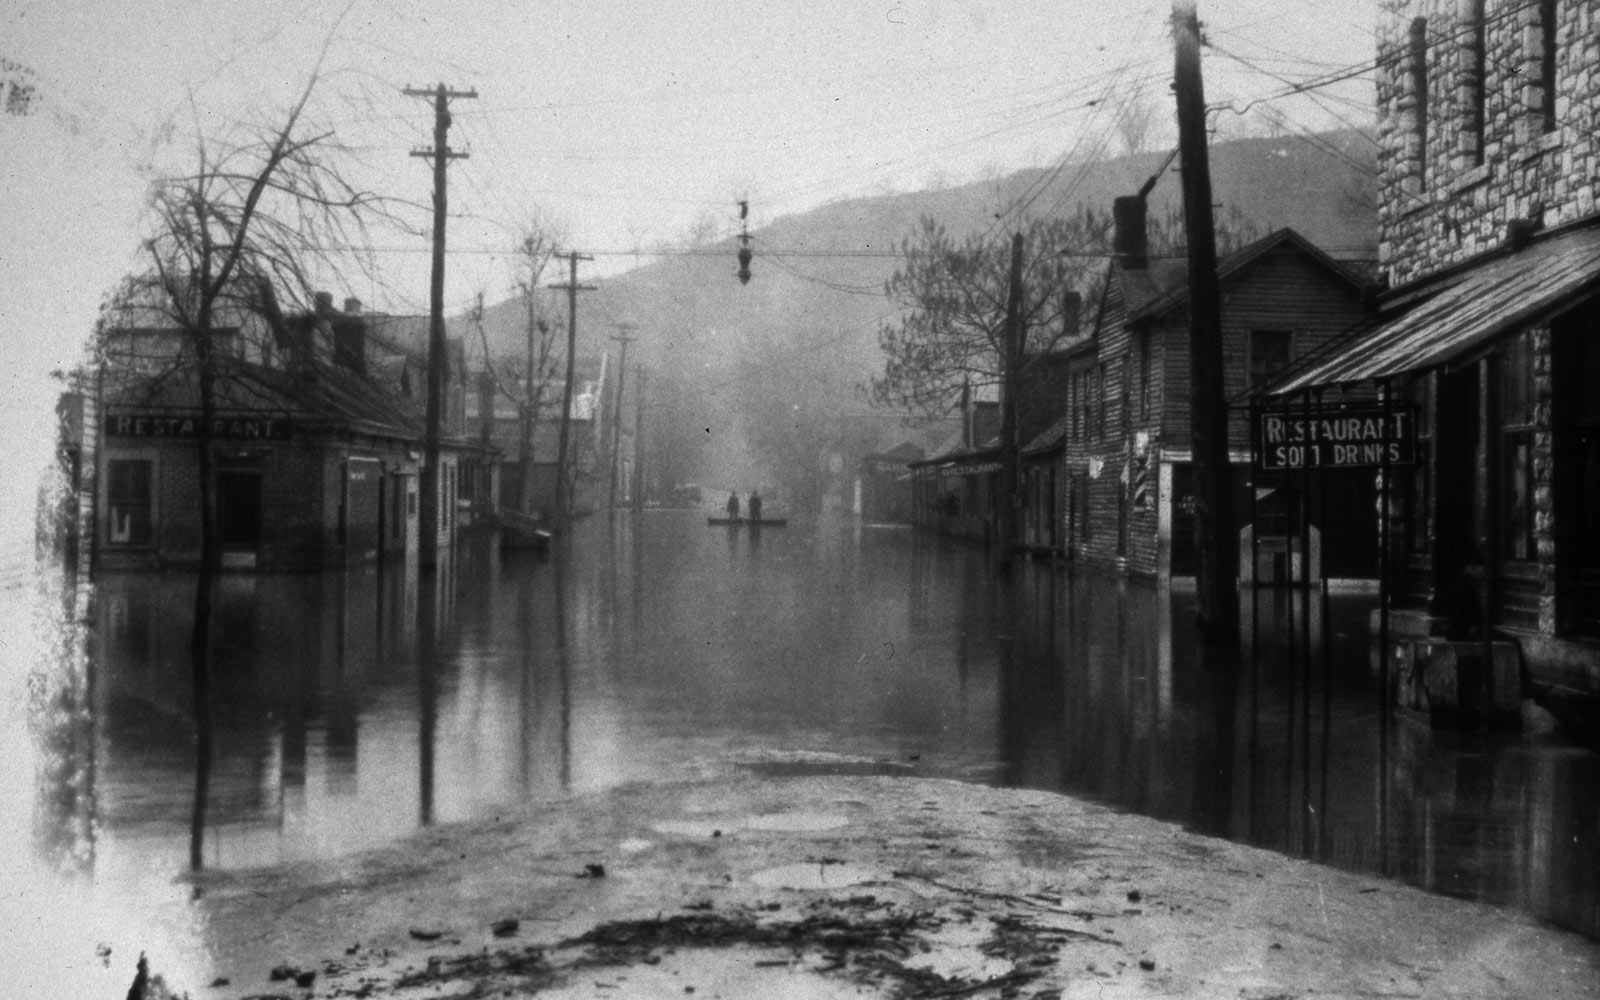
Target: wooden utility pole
{"x":638,"y":444}
{"x":616,"y":410}
{"x":1215,"y":574}
{"x":529,"y":411}
{"x":438,"y":372}
{"x":1011,"y":362}
{"x":572,"y":288}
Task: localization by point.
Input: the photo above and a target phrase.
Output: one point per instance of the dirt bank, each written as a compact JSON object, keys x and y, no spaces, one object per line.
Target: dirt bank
{"x":818,"y":887}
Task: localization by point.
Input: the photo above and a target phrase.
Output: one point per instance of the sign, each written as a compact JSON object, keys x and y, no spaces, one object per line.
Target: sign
{"x":155,"y":425}
{"x":1350,"y":438}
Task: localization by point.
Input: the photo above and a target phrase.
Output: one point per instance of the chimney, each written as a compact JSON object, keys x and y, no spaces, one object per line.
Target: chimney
{"x":323,"y":303}
{"x":350,"y":342}
{"x":352,"y":305}
{"x":1128,"y":241}
{"x":1071,"y":313}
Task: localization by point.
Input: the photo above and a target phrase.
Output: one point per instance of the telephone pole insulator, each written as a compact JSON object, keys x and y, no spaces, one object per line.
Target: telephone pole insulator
{"x":745,"y":254}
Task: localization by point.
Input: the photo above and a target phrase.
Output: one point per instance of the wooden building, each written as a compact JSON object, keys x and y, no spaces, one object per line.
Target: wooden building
{"x":1123,"y":489}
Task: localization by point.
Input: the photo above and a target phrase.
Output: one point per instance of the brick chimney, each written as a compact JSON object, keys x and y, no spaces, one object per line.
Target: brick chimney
{"x":1071,"y":313}
{"x":352,"y":305}
{"x":1129,"y":241}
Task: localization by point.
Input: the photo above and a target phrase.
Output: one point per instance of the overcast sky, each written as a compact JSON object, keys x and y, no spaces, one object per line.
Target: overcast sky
{"x":622,"y":123}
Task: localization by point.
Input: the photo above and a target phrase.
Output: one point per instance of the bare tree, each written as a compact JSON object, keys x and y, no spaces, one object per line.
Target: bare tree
{"x":249,"y":229}
{"x":1135,"y":123}
{"x":523,"y":380}
{"x":951,"y":335}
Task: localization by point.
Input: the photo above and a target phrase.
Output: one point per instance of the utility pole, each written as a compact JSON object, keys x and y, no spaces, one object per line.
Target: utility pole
{"x":528,"y":411}
{"x":438,"y":374}
{"x":638,"y":446}
{"x":1216,"y":596}
{"x":1010,"y":362}
{"x":616,"y":410}
{"x":572,"y":288}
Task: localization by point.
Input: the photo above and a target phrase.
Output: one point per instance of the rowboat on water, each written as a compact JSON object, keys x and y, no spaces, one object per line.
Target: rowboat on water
{"x":522,"y":531}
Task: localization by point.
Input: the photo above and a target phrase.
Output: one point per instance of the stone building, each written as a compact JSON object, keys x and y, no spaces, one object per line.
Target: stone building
{"x":1490,"y":250}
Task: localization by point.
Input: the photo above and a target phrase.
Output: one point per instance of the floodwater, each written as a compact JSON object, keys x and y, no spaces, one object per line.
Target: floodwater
{"x":351,"y":708}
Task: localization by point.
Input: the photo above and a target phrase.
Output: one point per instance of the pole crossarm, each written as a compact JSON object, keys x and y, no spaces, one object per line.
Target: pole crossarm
{"x":438,"y":373}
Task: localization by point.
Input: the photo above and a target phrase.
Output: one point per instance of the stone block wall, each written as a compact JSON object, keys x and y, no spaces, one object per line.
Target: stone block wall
{"x":1447,"y":193}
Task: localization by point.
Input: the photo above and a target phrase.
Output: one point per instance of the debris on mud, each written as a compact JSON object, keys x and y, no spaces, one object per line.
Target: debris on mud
{"x":860,"y":938}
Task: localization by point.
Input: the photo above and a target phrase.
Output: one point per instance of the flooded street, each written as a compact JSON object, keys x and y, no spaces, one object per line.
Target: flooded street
{"x":352,"y":708}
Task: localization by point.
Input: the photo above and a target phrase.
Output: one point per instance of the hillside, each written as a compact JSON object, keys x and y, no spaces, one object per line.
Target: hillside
{"x":790,"y":347}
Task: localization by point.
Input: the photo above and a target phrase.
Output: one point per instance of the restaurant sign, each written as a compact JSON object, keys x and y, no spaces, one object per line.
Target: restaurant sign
{"x":1347,"y":438}
{"x":156,"y":425}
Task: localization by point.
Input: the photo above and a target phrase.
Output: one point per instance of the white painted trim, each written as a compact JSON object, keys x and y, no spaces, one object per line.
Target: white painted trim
{"x":1164,"y":517}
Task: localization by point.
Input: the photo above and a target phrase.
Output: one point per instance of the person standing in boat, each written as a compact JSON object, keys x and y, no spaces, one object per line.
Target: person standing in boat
{"x":755,"y":505}
{"x":733,"y":506}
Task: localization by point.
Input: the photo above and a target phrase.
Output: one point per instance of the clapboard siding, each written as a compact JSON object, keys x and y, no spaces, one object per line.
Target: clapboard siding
{"x":1284,"y":289}
{"x":1275,"y":285}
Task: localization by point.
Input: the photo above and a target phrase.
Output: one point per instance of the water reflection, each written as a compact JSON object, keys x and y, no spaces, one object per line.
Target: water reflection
{"x":351,"y":707}
{"x":1283,"y":749}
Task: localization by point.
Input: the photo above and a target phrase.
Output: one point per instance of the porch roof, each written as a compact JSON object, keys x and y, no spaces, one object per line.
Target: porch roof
{"x":1501,"y":295}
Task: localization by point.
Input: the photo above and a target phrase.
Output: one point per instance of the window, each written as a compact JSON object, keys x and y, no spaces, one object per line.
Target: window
{"x":1072,"y":407}
{"x":1418,"y":51}
{"x":1516,"y":448}
{"x":1270,"y":352}
{"x":1144,"y":374}
{"x":1547,"y":64}
{"x":1091,"y":389}
{"x":1105,"y":399}
{"x":128,"y":501}
{"x":1473,"y":86}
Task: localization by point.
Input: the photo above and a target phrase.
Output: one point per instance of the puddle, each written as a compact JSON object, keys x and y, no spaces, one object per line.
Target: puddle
{"x":698,"y":827}
{"x":815,"y":875}
{"x":798,"y":822}
{"x":828,"y":768}
{"x":791,"y":822}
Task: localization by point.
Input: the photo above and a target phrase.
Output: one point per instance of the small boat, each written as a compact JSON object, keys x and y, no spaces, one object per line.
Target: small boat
{"x":751,"y":522}
{"x":522,"y":531}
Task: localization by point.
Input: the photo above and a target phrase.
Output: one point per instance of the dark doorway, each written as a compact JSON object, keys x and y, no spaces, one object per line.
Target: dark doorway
{"x":239,"y":509}
{"x":1575,"y":413}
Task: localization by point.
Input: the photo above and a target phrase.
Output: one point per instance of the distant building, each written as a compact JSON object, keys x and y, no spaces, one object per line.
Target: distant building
{"x":884,"y":485}
{"x":1490,"y":248}
{"x":493,"y":414}
{"x":954,"y":488}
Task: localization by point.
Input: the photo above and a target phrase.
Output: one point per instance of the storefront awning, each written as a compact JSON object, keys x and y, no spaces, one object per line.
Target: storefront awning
{"x":1502,"y":295}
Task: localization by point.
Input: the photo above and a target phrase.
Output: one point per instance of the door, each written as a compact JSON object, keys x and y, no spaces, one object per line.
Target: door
{"x":239,"y":521}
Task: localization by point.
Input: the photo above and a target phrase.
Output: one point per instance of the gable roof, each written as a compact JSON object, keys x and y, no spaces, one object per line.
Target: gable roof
{"x":1164,"y":287}
{"x":1050,"y":438}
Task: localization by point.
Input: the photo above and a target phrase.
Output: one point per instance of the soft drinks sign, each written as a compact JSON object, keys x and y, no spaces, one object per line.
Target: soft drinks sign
{"x":1350,"y":438}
